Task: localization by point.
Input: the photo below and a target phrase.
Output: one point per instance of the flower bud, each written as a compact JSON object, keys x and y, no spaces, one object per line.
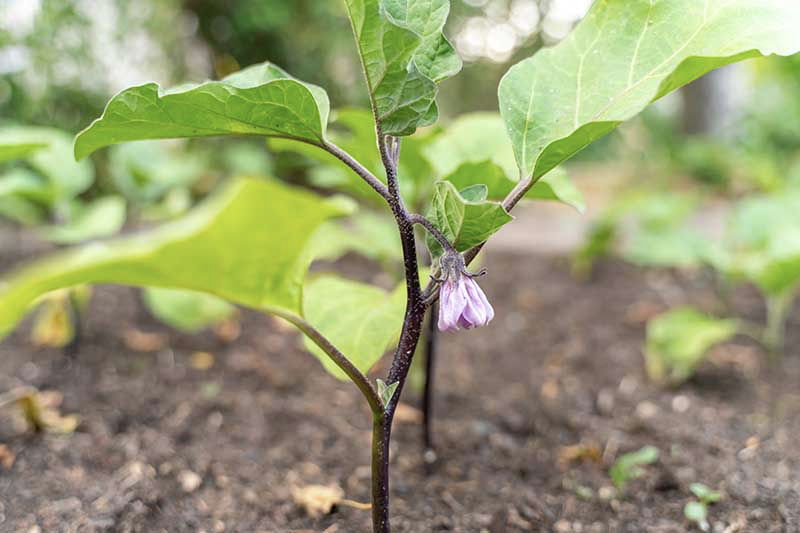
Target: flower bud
{"x":462,"y":303}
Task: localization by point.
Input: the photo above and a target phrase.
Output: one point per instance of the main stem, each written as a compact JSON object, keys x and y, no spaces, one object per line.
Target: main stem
{"x":409,"y":337}
{"x":381,"y":435}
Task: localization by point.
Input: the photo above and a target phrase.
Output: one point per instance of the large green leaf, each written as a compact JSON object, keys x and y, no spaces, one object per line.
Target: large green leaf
{"x":360,"y":320}
{"x":478,"y":139}
{"x":261,"y":100}
{"x":677,"y":342}
{"x":404,"y":55}
{"x":465,"y":218}
{"x":624,"y":55}
{"x":246,"y":244}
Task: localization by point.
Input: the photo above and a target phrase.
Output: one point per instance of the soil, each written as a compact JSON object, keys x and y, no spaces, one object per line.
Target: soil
{"x":531,"y":412}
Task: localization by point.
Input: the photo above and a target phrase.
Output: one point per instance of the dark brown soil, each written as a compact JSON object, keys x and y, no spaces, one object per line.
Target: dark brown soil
{"x":560,"y":366}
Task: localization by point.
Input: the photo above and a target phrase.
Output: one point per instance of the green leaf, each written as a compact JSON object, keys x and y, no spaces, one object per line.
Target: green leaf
{"x":628,"y":466}
{"x":475,"y":149}
{"x":145,"y":171}
{"x":674,"y":247}
{"x":10,"y":150}
{"x":464,"y":222}
{"x":246,"y":244}
{"x":704,"y":493}
{"x":103,"y":217}
{"x":677,"y":342}
{"x":404,"y":55}
{"x":261,"y":100}
{"x":697,"y":512}
{"x":623,"y":55}
{"x":360,"y":320}
{"x":555,"y":186}
{"x":367,"y":233}
{"x":763,"y":243}
{"x":186,"y":310}
{"x":353,"y":130}
{"x":386,"y":392}
{"x":20,"y":182}
{"x":65,"y":178}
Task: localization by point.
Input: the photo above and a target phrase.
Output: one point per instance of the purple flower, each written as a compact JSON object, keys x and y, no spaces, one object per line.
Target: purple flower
{"x":462,"y":303}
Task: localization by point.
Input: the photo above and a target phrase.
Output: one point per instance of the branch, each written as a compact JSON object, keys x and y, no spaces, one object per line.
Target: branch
{"x":360,"y":380}
{"x":433,"y":230}
{"x":358,"y":168}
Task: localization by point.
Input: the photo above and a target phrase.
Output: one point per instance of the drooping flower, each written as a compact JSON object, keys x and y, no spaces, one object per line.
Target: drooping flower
{"x":462,"y":303}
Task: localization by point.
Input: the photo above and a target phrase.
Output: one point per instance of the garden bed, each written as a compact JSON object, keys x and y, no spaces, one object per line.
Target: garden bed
{"x":530,"y":413}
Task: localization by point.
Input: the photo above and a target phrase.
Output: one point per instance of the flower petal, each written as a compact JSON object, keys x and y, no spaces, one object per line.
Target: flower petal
{"x":484,"y":312}
{"x":473,"y":312}
{"x":450,"y":306}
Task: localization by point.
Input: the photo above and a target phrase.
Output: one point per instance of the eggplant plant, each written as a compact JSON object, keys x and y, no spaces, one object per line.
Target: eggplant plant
{"x":251,"y":243}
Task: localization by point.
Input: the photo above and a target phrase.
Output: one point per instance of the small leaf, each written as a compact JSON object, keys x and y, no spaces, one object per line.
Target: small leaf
{"x":678,"y":340}
{"x":474,"y":193}
{"x":261,"y":100}
{"x":386,"y":392}
{"x":763,"y":243}
{"x":673,"y":247}
{"x":463,"y":222}
{"x":627,"y":467}
{"x":359,"y":319}
{"x":404,"y":55}
{"x":63,"y":176}
{"x":697,"y":512}
{"x":103,"y":217}
{"x":10,"y":150}
{"x":705,"y":494}
{"x":563,"y":98}
{"x":186,"y":310}
{"x":145,"y":171}
{"x":367,"y":233}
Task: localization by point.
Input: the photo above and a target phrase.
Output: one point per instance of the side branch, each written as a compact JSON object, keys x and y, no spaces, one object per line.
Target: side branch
{"x":433,"y":230}
{"x":360,"y":380}
{"x":359,"y":169}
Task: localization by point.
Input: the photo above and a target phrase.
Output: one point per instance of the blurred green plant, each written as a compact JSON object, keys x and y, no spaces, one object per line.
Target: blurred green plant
{"x":629,"y":466}
{"x":760,"y":247}
{"x":678,"y":340}
{"x":696,"y":511}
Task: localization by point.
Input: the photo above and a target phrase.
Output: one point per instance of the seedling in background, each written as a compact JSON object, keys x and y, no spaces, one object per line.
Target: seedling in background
{"x":251,"y":243}
{"x":761,"y":247}
{"x":629,"y":466}
{"x":697,"y":511}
